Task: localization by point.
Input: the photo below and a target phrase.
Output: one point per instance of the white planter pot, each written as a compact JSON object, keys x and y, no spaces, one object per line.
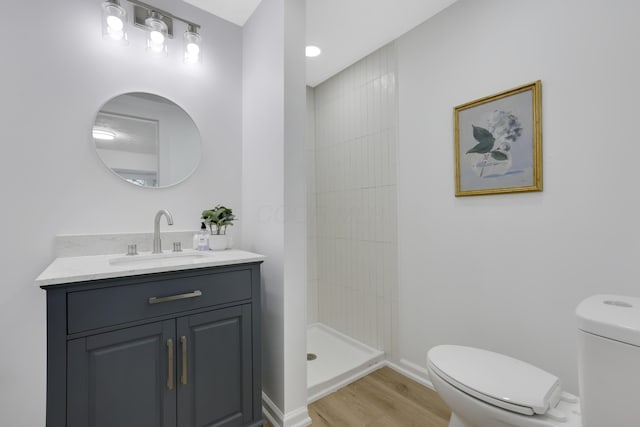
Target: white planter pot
{"x":218,"y":242}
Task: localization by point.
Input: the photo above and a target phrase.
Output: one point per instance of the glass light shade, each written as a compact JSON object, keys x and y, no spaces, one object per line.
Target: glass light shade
{"x":192,"y":47}
{"x":114,"y":19}
{"x":157,"y":37}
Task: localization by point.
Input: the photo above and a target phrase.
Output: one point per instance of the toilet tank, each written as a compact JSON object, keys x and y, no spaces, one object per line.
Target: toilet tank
{"x":609,"y":360}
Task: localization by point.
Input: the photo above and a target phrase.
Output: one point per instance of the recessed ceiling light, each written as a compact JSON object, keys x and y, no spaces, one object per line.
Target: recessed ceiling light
{"x":104,"y":135}
{"x":312,"y":51}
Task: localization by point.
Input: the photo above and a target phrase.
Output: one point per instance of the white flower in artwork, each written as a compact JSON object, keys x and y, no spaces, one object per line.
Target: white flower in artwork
{"x":491,"y":156}
{"x":504,"y":126}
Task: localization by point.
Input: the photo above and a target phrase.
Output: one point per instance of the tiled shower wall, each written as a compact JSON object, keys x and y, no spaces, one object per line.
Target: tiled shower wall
{"x":312,"y":253}
{"x":355,"y":197}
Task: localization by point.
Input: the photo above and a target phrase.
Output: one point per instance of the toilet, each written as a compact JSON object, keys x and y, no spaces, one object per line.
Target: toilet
{"x":487,"y":389}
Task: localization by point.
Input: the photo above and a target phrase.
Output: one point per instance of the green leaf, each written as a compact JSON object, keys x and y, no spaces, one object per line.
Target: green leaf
{"x":219,"y":216}
{"x":481,"y":148}
{"x":482,"y":134}
{"x":484,"y":138}
{"x":498,"y":155}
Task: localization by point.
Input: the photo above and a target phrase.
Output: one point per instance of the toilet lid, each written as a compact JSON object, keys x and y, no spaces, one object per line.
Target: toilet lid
{"x":497,"y":379}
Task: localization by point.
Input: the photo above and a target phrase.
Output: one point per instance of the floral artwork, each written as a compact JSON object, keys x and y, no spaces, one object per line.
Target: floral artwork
{"x":491,"y":156}
{"x":498,"y":143}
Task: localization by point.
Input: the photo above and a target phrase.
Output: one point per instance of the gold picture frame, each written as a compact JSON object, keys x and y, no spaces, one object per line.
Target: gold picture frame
{"x":498,"y":142}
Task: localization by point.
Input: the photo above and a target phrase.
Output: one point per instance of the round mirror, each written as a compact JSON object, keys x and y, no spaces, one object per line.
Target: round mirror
{"x":146,"y":140}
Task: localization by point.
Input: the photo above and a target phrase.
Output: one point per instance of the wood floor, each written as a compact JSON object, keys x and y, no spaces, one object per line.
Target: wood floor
{"x":383,"y":398}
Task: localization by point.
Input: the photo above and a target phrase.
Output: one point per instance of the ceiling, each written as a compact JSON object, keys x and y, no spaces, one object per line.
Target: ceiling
{"x":345,"y":30}
{"x":236,"y":11}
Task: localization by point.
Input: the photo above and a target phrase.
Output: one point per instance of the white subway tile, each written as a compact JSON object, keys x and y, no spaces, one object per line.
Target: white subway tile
{"x":343,"y":165}
{"x":377,"y":156}
{"x":385,"y":167}
{"x":354,"y":206}
{"x":392,"y":156}
{"x":312,"y":301}
{"x":386,"y":320}
{"x":371,"y":213}
{"x":312,"y":258}
{"x":376,"y":105}
{"x":363,"y":163}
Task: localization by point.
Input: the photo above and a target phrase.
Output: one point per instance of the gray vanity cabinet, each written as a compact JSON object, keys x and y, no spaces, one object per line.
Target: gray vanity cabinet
{"x":119,"y":378}
{"x":175,"y":349}
{"x":212,"y":340}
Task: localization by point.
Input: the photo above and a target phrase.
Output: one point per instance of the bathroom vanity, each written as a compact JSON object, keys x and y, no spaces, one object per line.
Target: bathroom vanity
{"x":155,"y":342}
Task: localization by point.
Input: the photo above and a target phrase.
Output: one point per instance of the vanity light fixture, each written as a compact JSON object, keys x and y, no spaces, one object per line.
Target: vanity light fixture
{"x":158,"y":24}
{"x":158,"y":33}
{"x":114,"y":19}
{"x":192,"y":41}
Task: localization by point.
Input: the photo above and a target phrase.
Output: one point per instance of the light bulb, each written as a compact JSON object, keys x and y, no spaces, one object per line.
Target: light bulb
{"x":193,"y":49}
{"x":115,"y":23}
{"x":156,"y":37}
{"x":115,"y":27}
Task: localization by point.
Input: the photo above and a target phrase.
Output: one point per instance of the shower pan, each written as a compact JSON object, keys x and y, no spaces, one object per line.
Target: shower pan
{"x":339,"y":360}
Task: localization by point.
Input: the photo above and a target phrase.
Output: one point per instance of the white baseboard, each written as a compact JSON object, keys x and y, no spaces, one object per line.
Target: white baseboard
{"x":297,"y":418}
{"x":271,"y":412}
{"x":413,"y":371}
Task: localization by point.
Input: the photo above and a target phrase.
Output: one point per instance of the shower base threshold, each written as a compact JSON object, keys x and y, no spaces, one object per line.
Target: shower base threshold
{"x":340,"y":360}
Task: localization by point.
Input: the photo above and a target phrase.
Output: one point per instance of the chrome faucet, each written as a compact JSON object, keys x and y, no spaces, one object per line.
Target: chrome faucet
{"x":157,"y":243}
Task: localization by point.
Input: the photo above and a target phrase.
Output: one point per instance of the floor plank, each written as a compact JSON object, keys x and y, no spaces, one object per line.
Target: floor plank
{"x":384,"y":398}
{"x":413,"y":391}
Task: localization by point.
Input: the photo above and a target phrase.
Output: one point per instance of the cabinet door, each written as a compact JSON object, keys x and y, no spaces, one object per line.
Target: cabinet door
{"x":123,"y":378}
{"x":214,"y":350}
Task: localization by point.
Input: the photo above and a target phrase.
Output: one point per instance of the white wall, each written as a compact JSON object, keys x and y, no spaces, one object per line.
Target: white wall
{"x":295,"y":225}
{"x":263,"y":177}
{"x":505,"y":272}
{"x":355,"y":115}
{"x":55,"y":76}
{"x":274,"y":196}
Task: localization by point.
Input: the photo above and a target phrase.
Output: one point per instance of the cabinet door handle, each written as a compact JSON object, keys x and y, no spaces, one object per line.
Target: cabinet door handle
{"x":183,"y":340}
{"x":170,"y":364}
{"x":157,"y":300}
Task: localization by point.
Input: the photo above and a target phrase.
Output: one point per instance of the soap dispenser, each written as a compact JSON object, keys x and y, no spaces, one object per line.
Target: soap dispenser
{"x":202,"y":239}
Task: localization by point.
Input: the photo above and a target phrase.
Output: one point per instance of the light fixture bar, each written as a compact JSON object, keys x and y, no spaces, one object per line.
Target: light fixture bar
{"x":140,"y":15}
{"x":156,"y":22}
{"x":142,"y":10}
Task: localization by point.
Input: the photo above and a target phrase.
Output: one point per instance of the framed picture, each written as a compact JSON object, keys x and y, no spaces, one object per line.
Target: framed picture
{"x":498,"y":143}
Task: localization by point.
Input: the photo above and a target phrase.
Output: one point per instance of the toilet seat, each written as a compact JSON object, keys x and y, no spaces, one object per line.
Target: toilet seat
{"x":496,"y":379}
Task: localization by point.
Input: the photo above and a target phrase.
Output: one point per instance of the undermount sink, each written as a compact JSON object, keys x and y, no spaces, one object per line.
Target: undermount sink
{"x":161,"y":258}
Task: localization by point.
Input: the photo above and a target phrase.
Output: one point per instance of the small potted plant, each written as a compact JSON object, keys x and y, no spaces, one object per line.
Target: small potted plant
{"x":218,"y":219}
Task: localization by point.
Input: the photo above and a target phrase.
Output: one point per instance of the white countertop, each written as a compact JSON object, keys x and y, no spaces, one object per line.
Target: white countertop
{"x":94,"y":267}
